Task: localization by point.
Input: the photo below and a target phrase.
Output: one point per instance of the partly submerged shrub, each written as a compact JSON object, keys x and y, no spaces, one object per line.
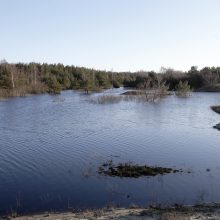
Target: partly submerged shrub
{"x":183,"y":89}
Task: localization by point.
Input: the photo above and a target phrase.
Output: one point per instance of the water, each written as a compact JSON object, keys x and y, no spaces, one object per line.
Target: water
{"x":49,"y":144}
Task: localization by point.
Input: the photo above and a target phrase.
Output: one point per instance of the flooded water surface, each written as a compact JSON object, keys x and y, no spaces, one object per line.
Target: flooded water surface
{"x":51,"y":148}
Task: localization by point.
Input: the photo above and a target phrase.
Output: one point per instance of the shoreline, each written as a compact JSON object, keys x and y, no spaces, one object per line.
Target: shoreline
{"x":202,"y":211}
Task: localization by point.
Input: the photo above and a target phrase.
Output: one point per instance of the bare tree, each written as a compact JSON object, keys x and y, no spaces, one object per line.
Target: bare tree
{"x":12,"y":79}
{"x":12,"y":70}
{"x":34,"y":74}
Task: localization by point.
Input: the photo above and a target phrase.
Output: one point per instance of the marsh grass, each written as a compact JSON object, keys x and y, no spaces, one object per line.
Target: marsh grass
{"x":6,"y":93}
{"x":23,"y":91}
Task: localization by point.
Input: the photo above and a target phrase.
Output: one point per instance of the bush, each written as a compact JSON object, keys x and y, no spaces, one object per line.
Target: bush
{"x":183,"y":89}
{"x":116,"y":84}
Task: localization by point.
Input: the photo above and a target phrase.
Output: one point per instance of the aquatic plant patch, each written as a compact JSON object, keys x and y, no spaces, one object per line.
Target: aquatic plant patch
{"x":133,"y":170}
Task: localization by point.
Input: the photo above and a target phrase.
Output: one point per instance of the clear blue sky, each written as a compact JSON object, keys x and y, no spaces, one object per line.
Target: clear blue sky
{"x":112,"y":34}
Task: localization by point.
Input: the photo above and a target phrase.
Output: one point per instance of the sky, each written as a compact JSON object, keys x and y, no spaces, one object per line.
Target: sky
{"x":119,"y":35}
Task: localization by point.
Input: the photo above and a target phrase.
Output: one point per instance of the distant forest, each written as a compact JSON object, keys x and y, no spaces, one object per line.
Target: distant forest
{"x":34,"y":78}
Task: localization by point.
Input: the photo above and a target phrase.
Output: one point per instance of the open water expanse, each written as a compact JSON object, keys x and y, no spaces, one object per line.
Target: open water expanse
{"x":51,"y":148}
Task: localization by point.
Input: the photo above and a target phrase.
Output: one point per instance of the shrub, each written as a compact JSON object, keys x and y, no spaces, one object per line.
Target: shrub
{"x":116,"y":84}
{"x":183,"y":89}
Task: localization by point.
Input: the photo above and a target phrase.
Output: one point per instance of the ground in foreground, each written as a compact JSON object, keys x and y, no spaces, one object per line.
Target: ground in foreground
{"x":178,"y":212}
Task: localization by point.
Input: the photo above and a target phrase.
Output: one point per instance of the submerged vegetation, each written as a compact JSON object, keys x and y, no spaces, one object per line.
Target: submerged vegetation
{"x":133,"y":170}
{"x":20,"y":79}
{"x":106,"y":99}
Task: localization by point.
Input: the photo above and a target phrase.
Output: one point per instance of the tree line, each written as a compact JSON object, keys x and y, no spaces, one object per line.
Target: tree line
{"x":34,"y":78}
